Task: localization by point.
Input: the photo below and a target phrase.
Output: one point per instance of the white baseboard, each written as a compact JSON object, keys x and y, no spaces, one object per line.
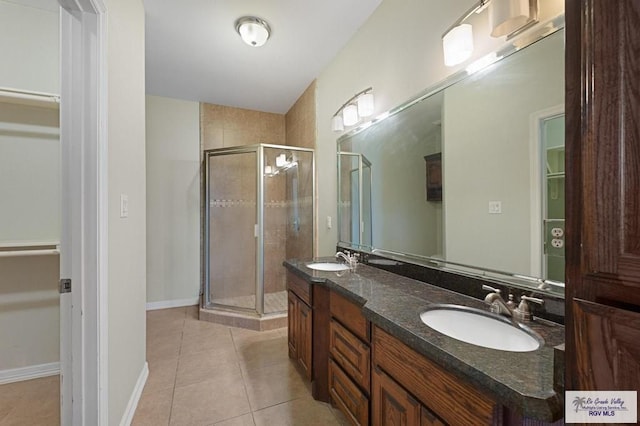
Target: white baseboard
{"x":127,"y":418}
{"x":28,"y":373}
{"x":178,"y":303}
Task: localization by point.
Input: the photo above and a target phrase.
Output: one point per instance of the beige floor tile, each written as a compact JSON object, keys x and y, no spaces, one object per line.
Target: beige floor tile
{"x":162,"y":374}
{"x":167,"y":314}
{"x":197,"y":327}
{"x":209,"y":365}
{"x":206,"y":340}
{"x":274,"y":384}
{"x":154,"y":408}
{"x":164,"y":347}
{"x":246,"y":420}
{"x":31,"y":402}
{"x":208,"y":402}
{"x":304,"y":411}
{"x":256,"y":353}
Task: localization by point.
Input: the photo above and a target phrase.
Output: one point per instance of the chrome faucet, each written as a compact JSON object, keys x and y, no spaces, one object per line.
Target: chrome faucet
{"x":520,"y":313}
{"x":350,"y":259}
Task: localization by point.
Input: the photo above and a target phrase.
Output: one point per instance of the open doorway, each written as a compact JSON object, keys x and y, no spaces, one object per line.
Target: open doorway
{"x":30,"y":219}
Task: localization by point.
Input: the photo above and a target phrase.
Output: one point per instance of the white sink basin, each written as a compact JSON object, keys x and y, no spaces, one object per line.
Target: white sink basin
{"x":480,"y":328}
{"x":327,"y":266}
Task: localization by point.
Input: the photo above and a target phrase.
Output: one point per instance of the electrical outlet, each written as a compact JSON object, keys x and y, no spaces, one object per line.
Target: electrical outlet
{"x":557,"y":243}
{"x":495,"y":207}
{"x":557,"y":232}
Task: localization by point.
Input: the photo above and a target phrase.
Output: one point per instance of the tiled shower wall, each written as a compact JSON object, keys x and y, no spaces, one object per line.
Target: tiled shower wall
{"x":301,"y":131}
{"x":223,"y":126}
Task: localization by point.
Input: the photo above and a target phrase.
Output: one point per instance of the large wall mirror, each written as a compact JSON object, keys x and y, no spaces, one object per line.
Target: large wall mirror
{"x":468,"y":176}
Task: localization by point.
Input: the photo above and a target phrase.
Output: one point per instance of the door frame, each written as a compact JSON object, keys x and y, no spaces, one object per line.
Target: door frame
{"x":537,"y":190}
{"x":83,"y":259}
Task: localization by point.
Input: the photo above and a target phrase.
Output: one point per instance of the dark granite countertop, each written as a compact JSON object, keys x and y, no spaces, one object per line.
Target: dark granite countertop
{"x":522,"y":381}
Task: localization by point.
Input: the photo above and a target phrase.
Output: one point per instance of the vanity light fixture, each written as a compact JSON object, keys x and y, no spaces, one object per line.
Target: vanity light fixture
{"x":506,"y":18}
{"x":360,"y":105}
{"x":457,"y":44}
{"x":253,"y":31}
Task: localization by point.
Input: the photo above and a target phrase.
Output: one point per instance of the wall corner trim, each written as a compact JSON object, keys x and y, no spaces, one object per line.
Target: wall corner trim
{"x":129,"y":412}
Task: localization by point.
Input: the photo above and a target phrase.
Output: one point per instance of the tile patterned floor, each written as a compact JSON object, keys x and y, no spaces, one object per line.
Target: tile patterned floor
{"x":32,"y":402}
{"x":208,"y":374}
{"x":199,"y":374}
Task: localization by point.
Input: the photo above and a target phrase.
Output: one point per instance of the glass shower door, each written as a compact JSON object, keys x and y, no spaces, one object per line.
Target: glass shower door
{"x":232,"y":203}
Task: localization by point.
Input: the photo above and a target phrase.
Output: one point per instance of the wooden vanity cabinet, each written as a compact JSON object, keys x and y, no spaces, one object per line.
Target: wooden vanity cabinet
{"x":349,"y":359}
{"x":300,"y":323}
{"x":408,"y":389}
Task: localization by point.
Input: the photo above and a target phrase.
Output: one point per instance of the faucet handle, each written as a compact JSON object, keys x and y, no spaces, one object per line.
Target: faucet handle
{"x":522,"y":312}
{"x":489,"y":288}
{"x":531,"y":299}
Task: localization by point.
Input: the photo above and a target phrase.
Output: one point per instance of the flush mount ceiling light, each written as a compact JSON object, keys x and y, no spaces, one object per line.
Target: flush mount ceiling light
{"x":360,"y":105}
{"x":253,"y":31}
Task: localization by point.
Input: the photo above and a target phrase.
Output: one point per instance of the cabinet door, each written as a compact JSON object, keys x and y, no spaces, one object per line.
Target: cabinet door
{"x":427,"y":418}
{"x":391,"y":404}
{"x":292,"y":332}
{"x":603,"y":193}
{"x":304,"y":342}
{"x":611,"y":338}
{"x":347,"y":397}
{"x":352,"y":355}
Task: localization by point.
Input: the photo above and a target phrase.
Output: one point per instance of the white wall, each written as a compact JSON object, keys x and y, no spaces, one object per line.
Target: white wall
{"x":126,"y":175}
{"x":398,"y":52}
{"x":29,"y":188}
{"x":173,"y":200}
{"x":30,"y":47}
{"x":487,"y":156}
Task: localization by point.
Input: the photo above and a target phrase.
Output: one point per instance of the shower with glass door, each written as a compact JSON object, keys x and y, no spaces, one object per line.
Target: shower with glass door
{"x":258,"y":212}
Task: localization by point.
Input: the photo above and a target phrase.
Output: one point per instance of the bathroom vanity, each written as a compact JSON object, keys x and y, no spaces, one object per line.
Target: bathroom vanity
{"x":367,"y":351}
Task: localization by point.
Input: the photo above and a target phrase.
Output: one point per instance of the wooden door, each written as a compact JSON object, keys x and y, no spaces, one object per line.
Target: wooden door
{"x":603,"y":194}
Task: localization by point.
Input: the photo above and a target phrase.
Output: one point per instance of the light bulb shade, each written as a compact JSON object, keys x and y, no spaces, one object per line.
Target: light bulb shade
{"x":350,"y":115}
{"x":365,"y":105}
{"x":457,"y":44}
{"x":253,"y":31}
{"x":336,"y":123}
{"x":508,"y":16}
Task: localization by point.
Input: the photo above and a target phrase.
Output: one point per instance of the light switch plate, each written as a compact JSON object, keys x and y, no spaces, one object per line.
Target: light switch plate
{"x":124,"y":205}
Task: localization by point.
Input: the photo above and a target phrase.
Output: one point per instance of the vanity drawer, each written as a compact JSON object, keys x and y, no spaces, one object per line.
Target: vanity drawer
{"x":449,"y":397}
{"x":351,"y":353}
{"x":353,"y":403}
{"x":350,"y":315}
{"x":300,"y":287}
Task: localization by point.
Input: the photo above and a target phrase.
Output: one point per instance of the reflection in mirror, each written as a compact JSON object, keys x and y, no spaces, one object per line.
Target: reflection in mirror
{"x":498,"y":204}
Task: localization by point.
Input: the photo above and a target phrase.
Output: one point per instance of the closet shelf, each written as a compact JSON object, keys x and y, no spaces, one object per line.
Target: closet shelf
{"x":29,"y":98}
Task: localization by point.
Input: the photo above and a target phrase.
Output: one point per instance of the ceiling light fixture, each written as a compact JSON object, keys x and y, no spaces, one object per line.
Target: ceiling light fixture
{"x":360,"y":105}
{"x":253,"y":31}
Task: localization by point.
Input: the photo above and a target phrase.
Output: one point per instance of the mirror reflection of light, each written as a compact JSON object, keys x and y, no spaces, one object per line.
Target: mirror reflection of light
{"x":482,"y":63}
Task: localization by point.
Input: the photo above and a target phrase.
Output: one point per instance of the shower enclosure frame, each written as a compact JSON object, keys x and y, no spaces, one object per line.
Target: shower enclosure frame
{"x":259,"y":226}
